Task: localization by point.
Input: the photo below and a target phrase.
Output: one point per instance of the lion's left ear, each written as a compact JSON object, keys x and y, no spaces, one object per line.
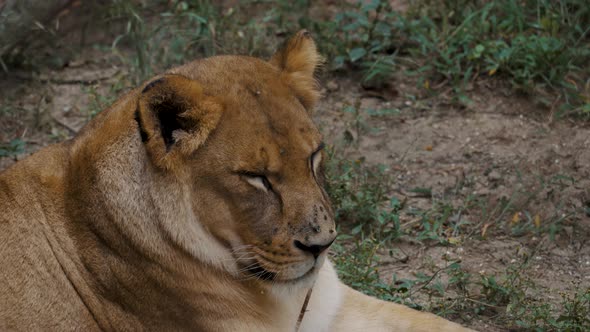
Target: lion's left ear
{"x":175,"y":117}
{"x":298,"y":60}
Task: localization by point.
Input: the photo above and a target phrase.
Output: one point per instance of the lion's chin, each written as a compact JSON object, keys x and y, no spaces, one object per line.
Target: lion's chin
{"x":258,"y":272}
{"x":311,"y":273}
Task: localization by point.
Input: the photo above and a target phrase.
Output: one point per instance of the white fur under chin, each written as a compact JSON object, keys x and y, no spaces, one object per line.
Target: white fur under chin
{"x":325,"y":301}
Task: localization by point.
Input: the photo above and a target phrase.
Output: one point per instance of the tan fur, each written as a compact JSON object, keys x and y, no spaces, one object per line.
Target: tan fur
{"x":154,"y":216}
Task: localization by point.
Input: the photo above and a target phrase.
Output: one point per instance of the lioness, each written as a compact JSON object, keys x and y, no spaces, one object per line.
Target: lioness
{"x":195,"y":202}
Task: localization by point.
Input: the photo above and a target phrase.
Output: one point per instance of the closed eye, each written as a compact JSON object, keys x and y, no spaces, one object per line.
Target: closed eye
{"x":258,"y":181}
{"x":316,"y":159}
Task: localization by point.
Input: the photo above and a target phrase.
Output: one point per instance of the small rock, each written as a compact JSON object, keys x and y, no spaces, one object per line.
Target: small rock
{"x":483,"y":192}
{"x":332,"y":86}
{"x":495,"y":176}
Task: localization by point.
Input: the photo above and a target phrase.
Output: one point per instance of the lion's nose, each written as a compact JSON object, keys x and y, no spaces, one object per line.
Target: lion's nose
{"x":314,"y":249}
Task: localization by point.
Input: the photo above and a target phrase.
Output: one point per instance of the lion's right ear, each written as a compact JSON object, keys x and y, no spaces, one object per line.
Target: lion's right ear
{"x":298,"y":60}
{"x":175,"y":117}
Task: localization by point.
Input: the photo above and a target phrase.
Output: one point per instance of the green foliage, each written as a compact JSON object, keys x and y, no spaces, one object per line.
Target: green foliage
{"x":365,"y":39}
{"x":500,"y":36}
{"x":178,"y":31}
{"x":512,"y":290}
{"x":12,"y":148}
{"x":534,"y":44}
{"x":451,"y":291}
{"x":359,"y":123}
{"x":357,"y":266}
{"x":361,"y":201}
{"x":370,"y":227}
{"x":99,"y":101}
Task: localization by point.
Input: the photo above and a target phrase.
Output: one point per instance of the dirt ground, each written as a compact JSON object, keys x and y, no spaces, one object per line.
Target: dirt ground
{"x":499,"y":145}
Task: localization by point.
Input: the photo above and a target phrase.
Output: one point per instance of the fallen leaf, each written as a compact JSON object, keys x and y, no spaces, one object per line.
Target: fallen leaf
{"x":484,"y":229}
{"x":537,"y":221}
{"x":516,"y":218}
{"x":454,"y":240}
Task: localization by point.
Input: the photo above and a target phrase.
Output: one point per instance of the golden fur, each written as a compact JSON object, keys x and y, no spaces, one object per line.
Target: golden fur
{"x":195,"y":202}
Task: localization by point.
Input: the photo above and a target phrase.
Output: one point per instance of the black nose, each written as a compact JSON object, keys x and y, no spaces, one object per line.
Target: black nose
{"x":314,"y":249}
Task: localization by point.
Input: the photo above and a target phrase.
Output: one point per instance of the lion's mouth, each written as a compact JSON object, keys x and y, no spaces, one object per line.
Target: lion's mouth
{"x":261,"y":273}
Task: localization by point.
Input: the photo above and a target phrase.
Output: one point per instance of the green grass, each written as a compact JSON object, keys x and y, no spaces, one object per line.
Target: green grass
{"x":535,"y":45}
{"x":541,"y":47}
{"x":12,"y":148}
{"x":370,"y":227}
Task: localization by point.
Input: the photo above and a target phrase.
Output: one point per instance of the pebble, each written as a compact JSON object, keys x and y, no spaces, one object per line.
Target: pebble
{"x":332,"y":86}
{"x":494,"y":176}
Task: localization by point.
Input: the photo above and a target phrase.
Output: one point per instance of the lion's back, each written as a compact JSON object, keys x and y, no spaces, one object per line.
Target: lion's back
{"x":27,"y":252}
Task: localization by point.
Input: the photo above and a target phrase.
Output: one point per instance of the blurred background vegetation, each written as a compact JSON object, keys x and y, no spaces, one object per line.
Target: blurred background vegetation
{"x":541,"y":47}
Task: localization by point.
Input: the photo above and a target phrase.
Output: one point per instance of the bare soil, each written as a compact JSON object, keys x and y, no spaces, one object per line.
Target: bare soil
{"x":501,"y":147}
{"x":498,"y":145}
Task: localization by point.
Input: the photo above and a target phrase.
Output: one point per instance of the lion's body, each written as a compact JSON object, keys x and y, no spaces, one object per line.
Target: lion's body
{"x":152,"y":221}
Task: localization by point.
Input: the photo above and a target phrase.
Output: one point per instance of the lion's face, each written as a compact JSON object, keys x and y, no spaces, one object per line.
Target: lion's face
{"x":251,"y":156}
{"x":266,"y":174}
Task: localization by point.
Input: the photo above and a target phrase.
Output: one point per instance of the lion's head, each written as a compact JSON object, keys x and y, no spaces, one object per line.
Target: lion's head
{"x":238,"y":131}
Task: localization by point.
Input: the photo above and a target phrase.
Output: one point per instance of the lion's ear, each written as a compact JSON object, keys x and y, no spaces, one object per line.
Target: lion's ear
{"x":298,"y":59}
{"x":175,"y":118}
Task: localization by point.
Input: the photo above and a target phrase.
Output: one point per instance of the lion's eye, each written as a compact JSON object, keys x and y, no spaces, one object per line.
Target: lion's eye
{"x":257,"y":181}
{"x":316,"y":160}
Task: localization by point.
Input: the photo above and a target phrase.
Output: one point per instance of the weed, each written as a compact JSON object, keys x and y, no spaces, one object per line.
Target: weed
{"x":361,"y":201}
{"x":451,"y":290}
{"x":98,"y":101}
{"x":135,"y":31}
{"x":360,"y":124}
{"x":366,"y":39}
{"x":443,"y":223}
{"x":12,"y":148}
{"x":357,"y":264}
{"x":534,"y":44}
{"x":513,"y":290}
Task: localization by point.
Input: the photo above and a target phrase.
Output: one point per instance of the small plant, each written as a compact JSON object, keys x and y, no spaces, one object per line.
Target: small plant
{"x":534,"y":45}
{"x":361,"y":201}
{"x":359,"y":124}
{"x":576,"y":312}
{"x":98,"y":101}
{"x":442,"y":223}
{"x":135,"y":33}
{"x":12,"y":148}
{"x":366,"y":30}
{"x":514,"y":291}
{"x":357,"y":263}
